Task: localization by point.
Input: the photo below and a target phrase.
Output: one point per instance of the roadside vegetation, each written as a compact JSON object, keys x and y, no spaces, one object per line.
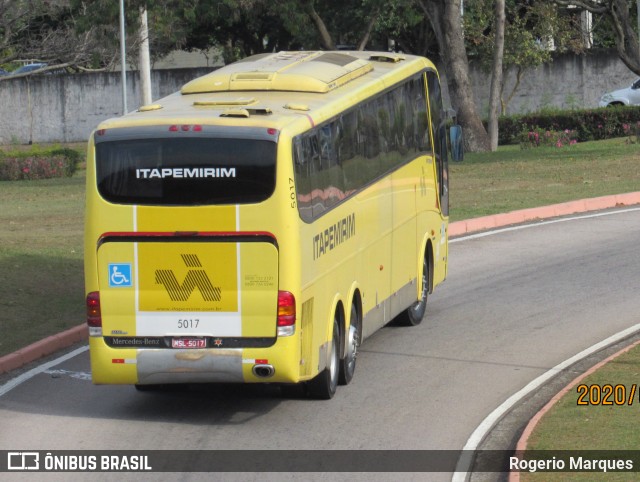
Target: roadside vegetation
{"x":38,"y":163}
{"x":41,"y":222}
{"x":606,"y":419}
{"x":515,"y":178}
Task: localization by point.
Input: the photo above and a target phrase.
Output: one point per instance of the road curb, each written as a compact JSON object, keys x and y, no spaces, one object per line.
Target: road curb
{"x":468,"y":226}
{"x":43,"y":348}
{"x":67,"y":338}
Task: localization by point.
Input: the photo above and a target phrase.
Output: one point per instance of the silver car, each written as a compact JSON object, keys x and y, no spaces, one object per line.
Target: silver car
{"x":628,"y":96}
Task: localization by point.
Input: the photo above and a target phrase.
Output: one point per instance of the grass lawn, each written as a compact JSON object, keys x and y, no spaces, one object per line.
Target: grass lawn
{"x":41,"y":292}
{"x":513,"y":178}
{"x":596,"y":425}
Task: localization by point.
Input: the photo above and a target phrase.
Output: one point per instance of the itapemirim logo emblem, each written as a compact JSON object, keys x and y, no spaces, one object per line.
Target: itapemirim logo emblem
{"x":196,"y":278}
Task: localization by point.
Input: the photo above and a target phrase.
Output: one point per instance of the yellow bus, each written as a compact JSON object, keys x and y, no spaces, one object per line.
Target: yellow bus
{"x":259,"y":224}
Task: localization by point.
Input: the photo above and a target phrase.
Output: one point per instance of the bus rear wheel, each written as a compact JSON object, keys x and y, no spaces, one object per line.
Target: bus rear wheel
{"x":324,"y":385}
{"x":415,"y":313}
{"x":348,"y":364}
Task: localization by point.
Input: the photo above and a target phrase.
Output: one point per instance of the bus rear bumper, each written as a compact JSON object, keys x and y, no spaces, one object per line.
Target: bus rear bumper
{"x":152,"y":366}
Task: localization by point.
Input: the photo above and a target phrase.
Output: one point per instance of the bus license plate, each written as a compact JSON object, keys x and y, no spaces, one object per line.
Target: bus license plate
{"x":188,"y":343}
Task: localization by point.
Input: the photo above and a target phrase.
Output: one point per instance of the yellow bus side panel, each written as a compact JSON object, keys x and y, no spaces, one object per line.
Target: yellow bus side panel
{"x":404,"y":249}
{"x":350,"y":244}
{"x":259,"y":283}
{"x":110,"y":365}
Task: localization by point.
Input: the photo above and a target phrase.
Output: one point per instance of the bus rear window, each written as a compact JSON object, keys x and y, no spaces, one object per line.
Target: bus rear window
{"x":186,"y":171}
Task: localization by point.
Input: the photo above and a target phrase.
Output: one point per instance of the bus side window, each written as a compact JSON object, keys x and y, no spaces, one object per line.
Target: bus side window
{"x":338,"y":158}
{"x":443,"y":171}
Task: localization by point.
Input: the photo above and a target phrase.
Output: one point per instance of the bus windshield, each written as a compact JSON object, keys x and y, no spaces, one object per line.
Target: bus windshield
{"x":186,"y":171}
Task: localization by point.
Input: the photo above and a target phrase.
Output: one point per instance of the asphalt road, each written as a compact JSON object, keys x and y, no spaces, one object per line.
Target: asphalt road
{"x":516,"y":303}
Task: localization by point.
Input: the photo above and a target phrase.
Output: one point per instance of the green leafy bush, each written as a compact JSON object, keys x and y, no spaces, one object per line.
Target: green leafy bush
{"x":549,"y":138}
{"x":38,"y":164}
{"x":589,"y":124}
{"x":632,"y":131}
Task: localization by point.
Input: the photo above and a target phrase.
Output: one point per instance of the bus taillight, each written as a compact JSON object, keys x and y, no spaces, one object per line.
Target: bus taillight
{"x":286,"y":313}
{"x":94,"y":316}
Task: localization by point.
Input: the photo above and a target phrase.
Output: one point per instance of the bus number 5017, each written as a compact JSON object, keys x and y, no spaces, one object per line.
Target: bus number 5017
{"x":190,"y":323}
{"x":292,"y":192}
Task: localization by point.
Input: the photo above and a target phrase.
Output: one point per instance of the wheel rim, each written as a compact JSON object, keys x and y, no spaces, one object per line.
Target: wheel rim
{"x":425,"y":289}
{"x":417,"y":310}
{"x":335,"y":358}
{"x":352,"y":349}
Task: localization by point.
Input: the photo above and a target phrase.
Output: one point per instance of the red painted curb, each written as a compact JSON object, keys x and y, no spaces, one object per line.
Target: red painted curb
{"x":468,"y":226}
{"x":42,"y":348}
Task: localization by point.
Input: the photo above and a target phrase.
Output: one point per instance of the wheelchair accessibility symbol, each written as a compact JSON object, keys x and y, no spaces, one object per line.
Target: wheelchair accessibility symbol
{"x":120,"y":275}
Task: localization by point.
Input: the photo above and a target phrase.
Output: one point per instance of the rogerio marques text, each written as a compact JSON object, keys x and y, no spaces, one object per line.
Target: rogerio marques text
{"x":570,"y":464}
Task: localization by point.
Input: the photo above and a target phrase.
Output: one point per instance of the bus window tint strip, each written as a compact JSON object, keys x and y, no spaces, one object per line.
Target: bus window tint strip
{"x":186,"y":171}
{"x":440,"y":136}
{"x":338,"y":158}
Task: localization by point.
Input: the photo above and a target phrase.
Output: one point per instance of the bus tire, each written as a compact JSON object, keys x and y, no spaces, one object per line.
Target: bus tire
{"x":324,"y":385}
{"x":348,"y":363}
{"x":415,"y":313}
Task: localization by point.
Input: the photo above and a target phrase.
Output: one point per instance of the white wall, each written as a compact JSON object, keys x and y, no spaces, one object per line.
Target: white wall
{"x":66,"y":108}
{"x":569,"y":82}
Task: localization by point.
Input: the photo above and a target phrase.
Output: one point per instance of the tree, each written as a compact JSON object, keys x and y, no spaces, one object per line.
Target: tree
{"x":44,"y":31}
{"x":496,"y":74}
{"x":339,"y":22}
{"x":446,"y":22}
{"x":326,"y":39}
{"x":618,"y":13}
{"x":406,"y":25}
{"x":169,"y":23}
{"x":529,"y":27}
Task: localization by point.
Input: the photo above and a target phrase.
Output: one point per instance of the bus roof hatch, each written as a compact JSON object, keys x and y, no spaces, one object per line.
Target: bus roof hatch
{"x":284,"y":71}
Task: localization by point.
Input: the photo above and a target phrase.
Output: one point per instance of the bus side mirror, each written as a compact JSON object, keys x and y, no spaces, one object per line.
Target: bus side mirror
{"x":457,"y":147}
